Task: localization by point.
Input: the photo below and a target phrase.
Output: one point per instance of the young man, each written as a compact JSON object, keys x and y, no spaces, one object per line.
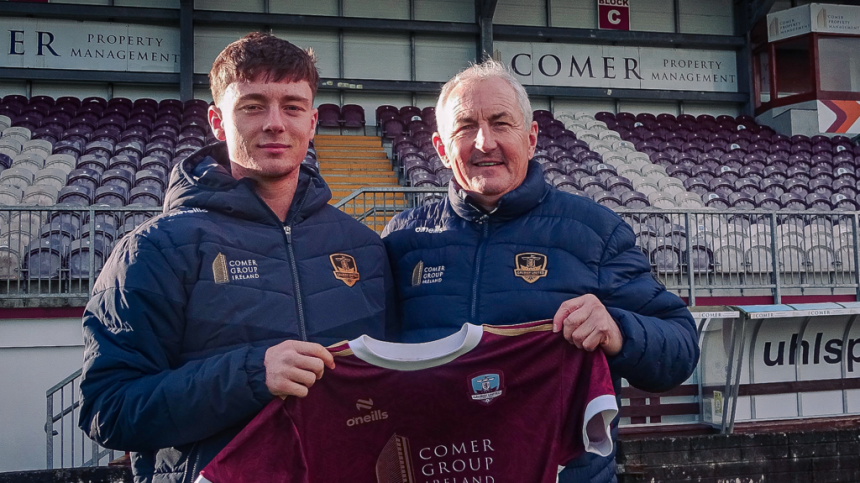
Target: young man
{"x":204,"y":314}
{"x":506,"y":248}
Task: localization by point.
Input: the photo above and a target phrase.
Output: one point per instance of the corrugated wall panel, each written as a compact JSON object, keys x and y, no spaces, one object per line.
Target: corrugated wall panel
{"x":323,"y":42}
{"x":203,"y":93}
{"x":712,"y":17}
{"x":712,"y":108}
{"x":147,"y":3}
{"x":84,"y":2}
{"x":210,"y":41}
{"x":438,"y":57}
{"x":426,"y":100}
{"x":139,"y":91}
{"x":7,"y":88}
{"x":580,"y":15}
{"x":591,"y":106}
{"x":60,"y":89}
{"x":326,"y":97}
{"x":652,"y":107}
{"x":255,"y":6}
{"x":445,"y":10}
{"x":304,"y":7}
{"x":376,"y":9}
{"x":539,"y":102}
{"x":376,"y":56}
{"x":520,"y":12}
{"x":371,"y":100}
{"x":652,"y":16}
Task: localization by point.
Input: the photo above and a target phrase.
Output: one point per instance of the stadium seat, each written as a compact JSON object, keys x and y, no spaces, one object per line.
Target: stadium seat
{"x":44,"y":257}
{"x":79,"y":257}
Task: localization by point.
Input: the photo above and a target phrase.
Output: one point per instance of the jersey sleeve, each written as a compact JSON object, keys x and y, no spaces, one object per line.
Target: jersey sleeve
{"x":590,"y":398}
{"x":268,"y":449}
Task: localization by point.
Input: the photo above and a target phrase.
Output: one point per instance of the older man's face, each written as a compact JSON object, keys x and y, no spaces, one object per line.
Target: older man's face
{"x":487,"y":142}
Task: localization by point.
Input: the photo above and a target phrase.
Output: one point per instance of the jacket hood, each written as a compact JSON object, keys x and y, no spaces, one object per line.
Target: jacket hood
{"x":511,"y":205}
{"x":204,"y":180}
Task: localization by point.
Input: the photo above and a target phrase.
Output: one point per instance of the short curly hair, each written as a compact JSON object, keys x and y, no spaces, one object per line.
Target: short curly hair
{"x":262,"y":56}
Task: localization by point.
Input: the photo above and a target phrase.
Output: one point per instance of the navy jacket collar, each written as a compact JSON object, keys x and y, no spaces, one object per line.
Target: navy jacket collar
{"x":203,"y":180}
{"x":511,"y":205}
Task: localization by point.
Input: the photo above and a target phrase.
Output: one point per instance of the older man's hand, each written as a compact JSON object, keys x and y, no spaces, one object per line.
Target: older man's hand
{"x":587,"y":325}
{"x":293,"y":366}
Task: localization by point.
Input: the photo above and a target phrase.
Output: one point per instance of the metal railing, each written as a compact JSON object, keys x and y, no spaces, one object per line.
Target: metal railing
{"x":48,"y":252}
{"x":67,"y":445}
{"x":705,"y":252}
{"x":694,"y":253}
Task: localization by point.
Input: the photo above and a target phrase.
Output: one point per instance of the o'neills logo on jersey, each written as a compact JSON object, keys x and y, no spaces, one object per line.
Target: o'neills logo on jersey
{"x":530,"y":266}
{"x":487,"y":387}
{"x":345,"y":268}
{"x":374,"y":415}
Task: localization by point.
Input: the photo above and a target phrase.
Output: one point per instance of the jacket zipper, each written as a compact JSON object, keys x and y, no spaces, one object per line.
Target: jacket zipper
{"x":479,"y":255}
{"x":189,"y":478}
{"x":288,"y":230}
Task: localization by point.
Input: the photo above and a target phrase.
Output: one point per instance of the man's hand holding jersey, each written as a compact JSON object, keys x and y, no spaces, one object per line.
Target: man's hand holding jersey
{"x":293,"y":366}
{"x":586,"y":324}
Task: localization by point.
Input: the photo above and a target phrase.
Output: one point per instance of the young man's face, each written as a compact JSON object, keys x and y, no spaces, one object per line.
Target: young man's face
{"x":267,"y":126}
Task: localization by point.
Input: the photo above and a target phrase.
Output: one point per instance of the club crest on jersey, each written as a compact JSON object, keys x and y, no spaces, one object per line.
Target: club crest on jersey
{"x":530,"y":266}
{"x":487,"y":387}
{"x":345,"y":268}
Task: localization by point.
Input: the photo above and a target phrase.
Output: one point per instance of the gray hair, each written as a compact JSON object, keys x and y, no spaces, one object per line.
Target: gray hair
{"x":485,"y":70}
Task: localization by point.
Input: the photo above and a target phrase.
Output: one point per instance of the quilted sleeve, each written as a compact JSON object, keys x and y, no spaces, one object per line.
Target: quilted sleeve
{"x":660,"y":349}
{"x":136,"y":393}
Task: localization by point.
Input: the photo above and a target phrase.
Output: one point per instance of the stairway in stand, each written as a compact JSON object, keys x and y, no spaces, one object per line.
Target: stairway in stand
{"x":351,"y":162}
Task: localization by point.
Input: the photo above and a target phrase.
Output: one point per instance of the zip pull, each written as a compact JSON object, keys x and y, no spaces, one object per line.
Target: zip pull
{"x":289,"y":231}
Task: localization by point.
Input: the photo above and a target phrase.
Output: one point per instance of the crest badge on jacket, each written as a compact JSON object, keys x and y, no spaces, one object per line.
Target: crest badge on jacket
{"x":530,"y":266}
{"x":345,"y":268}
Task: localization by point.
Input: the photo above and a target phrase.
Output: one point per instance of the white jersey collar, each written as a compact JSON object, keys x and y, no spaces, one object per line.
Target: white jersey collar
{"x":414,"y":357}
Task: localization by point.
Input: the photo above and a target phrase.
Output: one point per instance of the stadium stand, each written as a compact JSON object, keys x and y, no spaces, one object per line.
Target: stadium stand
{"x":733,"y":202}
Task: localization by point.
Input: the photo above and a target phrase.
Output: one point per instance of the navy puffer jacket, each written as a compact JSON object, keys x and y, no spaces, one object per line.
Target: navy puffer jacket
{"x":455,"y":263}
{"x":185,"y":308}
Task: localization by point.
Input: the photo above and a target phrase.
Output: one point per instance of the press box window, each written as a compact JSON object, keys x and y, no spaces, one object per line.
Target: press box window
{"x":839,"y":64}
{"x":794,"y":72}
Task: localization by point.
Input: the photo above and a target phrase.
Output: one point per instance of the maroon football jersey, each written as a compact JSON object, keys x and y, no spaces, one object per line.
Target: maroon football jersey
{"x":485,"y":405}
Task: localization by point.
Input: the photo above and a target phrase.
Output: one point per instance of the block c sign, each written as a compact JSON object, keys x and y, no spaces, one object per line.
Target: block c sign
{"x":613,"y":14}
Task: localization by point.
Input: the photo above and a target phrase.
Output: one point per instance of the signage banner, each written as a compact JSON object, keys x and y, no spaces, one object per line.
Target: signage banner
{"x":815,"y":17}
{"x":788,"y":23}
{"x":613,"y":14}
{"x":607,"y":66}
{"x":835,"y":19}
{"x":839,"y":117}
{"x":68,"y":44}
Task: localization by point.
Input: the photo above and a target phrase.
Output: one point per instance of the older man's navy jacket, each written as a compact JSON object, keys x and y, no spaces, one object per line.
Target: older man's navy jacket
{"x":187,"y":305}
{"x":454,"y":263}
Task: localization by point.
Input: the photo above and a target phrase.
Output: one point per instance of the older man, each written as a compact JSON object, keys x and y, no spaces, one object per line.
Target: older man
{"x":504,"y":247}
{"x":206,"y":313}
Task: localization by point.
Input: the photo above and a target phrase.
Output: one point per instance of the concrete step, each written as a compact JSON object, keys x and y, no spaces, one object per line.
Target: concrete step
{"x":333,"y":141}
{"x":338,"y":149}
{"x":360,"y":179}
{"x":351,"y":155}
{"x":381,"y":198}
{"x":326,"y":164}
